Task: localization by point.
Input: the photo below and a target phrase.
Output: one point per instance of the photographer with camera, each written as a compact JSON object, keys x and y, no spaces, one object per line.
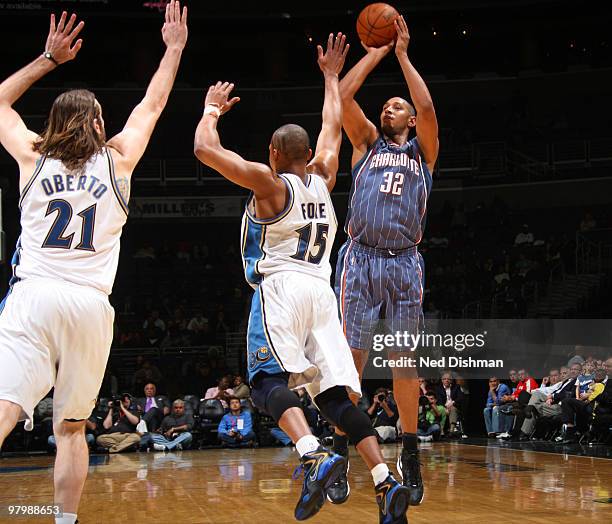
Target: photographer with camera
{"x":432,"y":418}
{"x":120,"y":425}
{"x":383,"y":411}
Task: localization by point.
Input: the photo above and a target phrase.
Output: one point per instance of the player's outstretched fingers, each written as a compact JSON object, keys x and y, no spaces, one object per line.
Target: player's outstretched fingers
{"x":76,"y":30}
{"x":62,"y":21}
{"x":70,"y":23}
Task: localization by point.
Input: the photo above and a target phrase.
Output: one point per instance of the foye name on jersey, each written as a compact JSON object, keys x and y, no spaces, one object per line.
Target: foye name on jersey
{"x":71,"y":183}
{"x":311,"y":210}
{"x":394,"y":160}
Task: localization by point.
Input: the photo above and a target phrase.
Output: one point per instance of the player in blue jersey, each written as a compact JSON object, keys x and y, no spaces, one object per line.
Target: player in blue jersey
{"x":379,"y":276}
{"x":294,"y":336}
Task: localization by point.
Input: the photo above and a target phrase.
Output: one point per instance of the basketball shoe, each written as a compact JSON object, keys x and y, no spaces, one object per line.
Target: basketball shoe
{"x":393,"y":501}
{"x":321,"y":469}
{"x":409,"y":467}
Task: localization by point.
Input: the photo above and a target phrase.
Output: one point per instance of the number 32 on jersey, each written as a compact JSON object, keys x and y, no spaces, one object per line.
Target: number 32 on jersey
{"x":393,"y":183}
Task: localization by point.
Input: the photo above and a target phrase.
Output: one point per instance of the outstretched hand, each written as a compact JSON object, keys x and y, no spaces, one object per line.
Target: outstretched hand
{"x":332,"y":61}
{"x":403,"y":36}
{"x":174,"y":31}
{"x":61,"y":38}
{"x":218,"y":95}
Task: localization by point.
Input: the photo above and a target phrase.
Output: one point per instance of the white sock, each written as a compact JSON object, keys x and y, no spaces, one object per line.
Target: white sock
{"x":66,"y":518}
{"x":379,"y":473}
{"x":307,"y":444}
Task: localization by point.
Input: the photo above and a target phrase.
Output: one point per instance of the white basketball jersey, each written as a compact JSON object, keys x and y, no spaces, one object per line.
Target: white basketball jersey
{"x":298,"y":239}
{"x":71,"y":224}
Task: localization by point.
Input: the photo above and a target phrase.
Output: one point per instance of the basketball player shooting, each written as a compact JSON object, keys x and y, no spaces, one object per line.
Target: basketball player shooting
{"x":56,"y":323}
{"x":379,"y":276}
{"x":294,"y":334}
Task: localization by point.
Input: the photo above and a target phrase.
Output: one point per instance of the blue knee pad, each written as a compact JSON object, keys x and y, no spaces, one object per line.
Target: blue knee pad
{"x":271,"y":395}
{"x":336,"y":406}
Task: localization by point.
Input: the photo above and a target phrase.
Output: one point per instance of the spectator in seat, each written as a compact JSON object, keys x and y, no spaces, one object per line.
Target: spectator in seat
{"x":583,"y":381}
{"x":423,"y":387}
{"x":512,"y":382}
{"x":146,"y":373}
{"x":153,"y":408}
{"x":241,"y":390}
{"x":602,"y":413}
{"x":538,"y":407}
{"x":384,"y":414}
{"x":197,"y":328}
{"x":236,"y":427}
{"x":526,"y":383}
{"x":588,"y":222}
{"x":120,"y":426}
{"x":174,"y":432}
{"x":576,"y":411}
{"x":524,"y":238}
{"x":222,"y":392}
{"x":450,"y":396}
{"x":154,"y":328}
{"x":520,"y":398}
{"x":432,"y":418}
{"x":494,"y":421}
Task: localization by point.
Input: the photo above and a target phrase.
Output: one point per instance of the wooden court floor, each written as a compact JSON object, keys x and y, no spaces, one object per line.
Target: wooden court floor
{"x":464,"y":484}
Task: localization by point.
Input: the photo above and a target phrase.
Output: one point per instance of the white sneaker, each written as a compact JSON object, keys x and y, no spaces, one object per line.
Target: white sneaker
{"x":425,"y":438}
{"x":505,"y":434}
{"x":159,"y":447}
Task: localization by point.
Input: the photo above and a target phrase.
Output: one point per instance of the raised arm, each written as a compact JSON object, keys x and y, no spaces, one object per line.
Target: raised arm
{"x":361,"y":132}
{"x":131,"y":142}
{"x":426,"y":121}
{"x":16,"y":138}
{"x":325,"y":161}
{"x":208,"y":149}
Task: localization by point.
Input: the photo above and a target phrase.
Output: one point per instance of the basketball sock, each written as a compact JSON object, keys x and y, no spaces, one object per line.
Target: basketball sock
{"x":66,"y":518}
{"x":340,"y":444}
{"x":379,"y":473}
{"x":307,"y":444}
{"x":409,"y":442}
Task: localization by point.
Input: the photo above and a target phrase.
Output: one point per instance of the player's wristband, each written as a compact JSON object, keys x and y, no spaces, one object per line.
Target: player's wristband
{"x":49,"y":56}
{"x":212,"y":109}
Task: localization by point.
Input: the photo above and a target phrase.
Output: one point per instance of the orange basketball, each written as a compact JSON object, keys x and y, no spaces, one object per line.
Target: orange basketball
{"x":375,"y":24}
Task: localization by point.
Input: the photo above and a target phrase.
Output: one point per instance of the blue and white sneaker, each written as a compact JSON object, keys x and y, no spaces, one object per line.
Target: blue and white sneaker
{"x":321,"y":469}
{"x":393,"y":501}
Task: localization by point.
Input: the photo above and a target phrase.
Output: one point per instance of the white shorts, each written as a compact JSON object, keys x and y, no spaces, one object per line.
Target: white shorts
{"x":294,"y":327}
{"x":54,"y":334}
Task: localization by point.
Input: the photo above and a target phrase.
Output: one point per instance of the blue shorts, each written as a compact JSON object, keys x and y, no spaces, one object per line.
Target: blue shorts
{"x":378,"y":289}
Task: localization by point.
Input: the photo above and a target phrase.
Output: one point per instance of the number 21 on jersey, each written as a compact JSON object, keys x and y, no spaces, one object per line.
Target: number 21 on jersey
{"x":393,"y":183}
{"x":55,"y":237}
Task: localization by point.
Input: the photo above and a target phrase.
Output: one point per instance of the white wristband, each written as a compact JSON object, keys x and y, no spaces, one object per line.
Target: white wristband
{"x":212,"y":110}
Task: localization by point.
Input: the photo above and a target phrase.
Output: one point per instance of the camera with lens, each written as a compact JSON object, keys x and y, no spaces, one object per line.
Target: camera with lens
{"x":423,"y":401}
{"x":381,"y":397}
{"x":116,"y":402}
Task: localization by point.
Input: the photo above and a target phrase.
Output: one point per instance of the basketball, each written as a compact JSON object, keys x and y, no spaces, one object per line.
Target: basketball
{"x":375,"y":24}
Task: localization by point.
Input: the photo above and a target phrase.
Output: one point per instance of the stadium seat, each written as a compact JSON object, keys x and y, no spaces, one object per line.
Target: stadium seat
{"x":211,"y":412}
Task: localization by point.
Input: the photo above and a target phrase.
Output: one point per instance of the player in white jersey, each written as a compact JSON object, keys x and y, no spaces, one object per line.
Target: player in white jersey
{"x":56,"y":323}
{"x":294,"y":337}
